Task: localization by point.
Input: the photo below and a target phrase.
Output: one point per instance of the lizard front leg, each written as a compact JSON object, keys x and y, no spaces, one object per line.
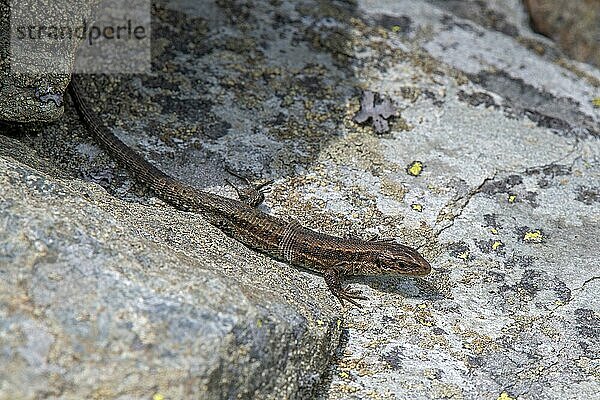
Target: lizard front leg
{"x":333,"y":278}
{"x":251,"y":194}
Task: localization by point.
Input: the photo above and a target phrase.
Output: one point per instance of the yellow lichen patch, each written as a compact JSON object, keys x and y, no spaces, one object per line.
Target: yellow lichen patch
{"x":416,"y":207}
{"x":464,"y":255}
{"x":494,"y":231}
{"x":396,"y":28}
{"x":415,"y":168}
{"x":497,"y":244}
{"x":344,"y":375}
{"x":533,"y":236}
{"x":596,"y":102}
{"x":505,"y":396}
{"x":259,"y":323}
{"x":158,"y":396}
{"x":512,"y":198}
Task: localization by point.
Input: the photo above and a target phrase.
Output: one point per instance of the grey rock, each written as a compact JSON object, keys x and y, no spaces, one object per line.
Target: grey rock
{"x":508,"y":189}
{"x":104,"y":298}
{"x":503,"y":203}
{"x":28,"y":93}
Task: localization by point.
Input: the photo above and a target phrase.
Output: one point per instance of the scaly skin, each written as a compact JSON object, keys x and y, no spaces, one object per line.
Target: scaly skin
{"x":287,"y":241}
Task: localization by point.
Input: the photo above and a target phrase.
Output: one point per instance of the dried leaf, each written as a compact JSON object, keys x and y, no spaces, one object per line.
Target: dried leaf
{"x":378,"y":113}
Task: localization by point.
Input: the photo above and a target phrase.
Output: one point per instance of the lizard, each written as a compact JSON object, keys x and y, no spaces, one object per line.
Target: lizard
{"x":288,"y":241}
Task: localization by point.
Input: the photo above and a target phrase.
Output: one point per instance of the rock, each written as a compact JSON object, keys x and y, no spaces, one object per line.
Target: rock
{"x":505,"y":16}
{"x":574,"y":25}
{"x":491,"y":167}
{"x":32,"y":83}
{"x":104,"y":298}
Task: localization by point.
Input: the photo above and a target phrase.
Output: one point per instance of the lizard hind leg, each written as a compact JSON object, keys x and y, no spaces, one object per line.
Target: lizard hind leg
{"x":333,"y":278}
{"x":251,"y":194}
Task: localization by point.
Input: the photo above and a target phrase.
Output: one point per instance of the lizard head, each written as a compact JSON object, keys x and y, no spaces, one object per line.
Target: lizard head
{"x":396,"y":259}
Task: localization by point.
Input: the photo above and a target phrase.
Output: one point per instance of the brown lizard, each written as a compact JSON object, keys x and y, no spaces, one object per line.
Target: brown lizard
{"x":287,"y":241}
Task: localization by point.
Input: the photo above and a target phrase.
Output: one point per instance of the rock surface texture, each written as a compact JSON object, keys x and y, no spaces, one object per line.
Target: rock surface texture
{"x":574,"y":25}
{"x":491,"y":166}
{"x":35,"y":94}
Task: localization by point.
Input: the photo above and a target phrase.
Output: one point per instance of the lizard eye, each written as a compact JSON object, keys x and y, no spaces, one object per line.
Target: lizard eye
{"x":402,"y":261}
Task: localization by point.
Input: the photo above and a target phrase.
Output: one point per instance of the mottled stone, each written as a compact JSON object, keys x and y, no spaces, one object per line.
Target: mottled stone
{"x":574,"y":25}
{"x":102,"y":298}
{"x":36,"y":96}
{"x":491,"y":168}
